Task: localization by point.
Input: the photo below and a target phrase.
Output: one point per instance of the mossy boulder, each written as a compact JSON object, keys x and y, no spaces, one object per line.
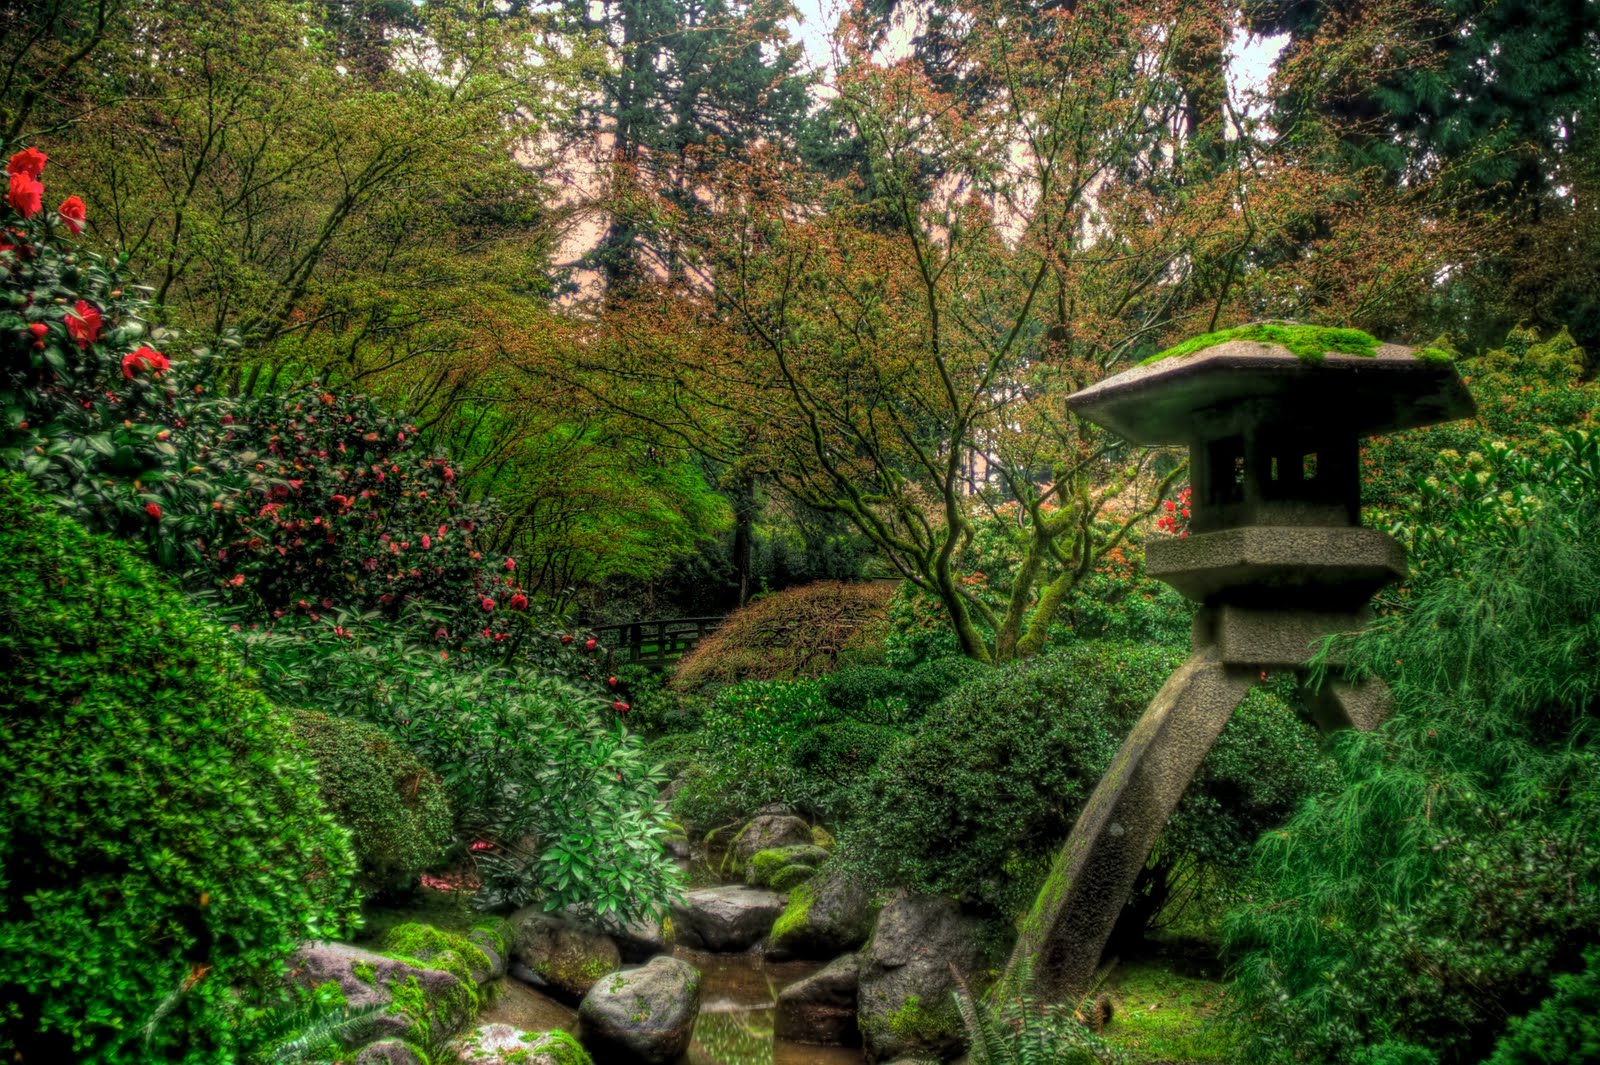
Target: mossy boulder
{"x":391,"y":1052}
{"x":561,"y":956}
{"x":826,"y":916}
{"x":501,"y":1044}
{"x":792,"y":876}
{"x":762,"y":833}
{"x":763,"y":866}
{"x":642,"y":1015}
{"x":427,"y":1004}
{"x":438,"y":949}
{"x":908,"y":974}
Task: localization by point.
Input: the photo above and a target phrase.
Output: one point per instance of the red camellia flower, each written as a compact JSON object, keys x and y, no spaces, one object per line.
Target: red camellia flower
{"x":487,"y":603}
{"x":519,"y":602}
{"x":566,"y":639}
{"x":611,"y":681}
{"x":38,"y":329}
{"x":146,"y":358}
{"x":72,"y":213}
{"x":154,"y":510}
{"x":83,"y":323}
{"x":25,"y":195}
{"x":621,"y":708}
{"x":589,"y":645}
{"x":29,"y":161}
{"x":511,"y":563}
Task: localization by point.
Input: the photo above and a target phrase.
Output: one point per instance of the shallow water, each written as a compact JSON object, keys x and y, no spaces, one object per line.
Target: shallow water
{"x":737,"y":997}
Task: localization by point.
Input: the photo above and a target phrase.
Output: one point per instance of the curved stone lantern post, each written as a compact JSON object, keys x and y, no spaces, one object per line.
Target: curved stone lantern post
{"x":1278,"y":559}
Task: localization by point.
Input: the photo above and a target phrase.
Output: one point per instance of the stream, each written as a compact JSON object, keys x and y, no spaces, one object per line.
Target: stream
{"x":737,"y":999}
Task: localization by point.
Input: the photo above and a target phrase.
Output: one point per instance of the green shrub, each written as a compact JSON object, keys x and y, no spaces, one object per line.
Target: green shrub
{"x":1457,"y":871}
{"x":929,"y":682}
{"x":981,"y":793}
{"x":1564,"y":1030}
{"x":162,"y":842}
{"x":556,"y":797}
{"x":853,"y":688}
{"x":833,"y":759}
{"x":741,"y":758}
{"x":394,"y":806}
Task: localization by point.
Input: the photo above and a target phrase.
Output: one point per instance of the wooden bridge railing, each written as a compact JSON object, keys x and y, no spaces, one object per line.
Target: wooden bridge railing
{"x":655,"y":643}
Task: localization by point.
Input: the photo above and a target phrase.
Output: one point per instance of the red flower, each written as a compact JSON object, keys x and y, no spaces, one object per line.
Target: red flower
{"x":83,"y":323}
{"x":38,"y":329}
{"x":511,"y":563}
{"x":589,"y":644}
{"x":146,"y":358}
{"x":72,"y":213}
{"x":154,"y":510}
{"x":236,"y":580}
{"x":519,"y":602}
{"x":449,"y":474}
{"x":566,"y":639}
{"x":29,"y":161}
{"x":487,"y":604}
{"x":611,"y":681}
{"x":25,"y":194}
{"x":621,"y":708}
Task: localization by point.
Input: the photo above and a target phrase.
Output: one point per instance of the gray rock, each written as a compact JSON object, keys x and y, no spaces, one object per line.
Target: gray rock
{"x":501,"y":1044}
{"x":366,"y":978}
{"x":905,"y":1003}
{"x":642,"y":1015}
{"x":390,"y":1052}
{"x":822,"y":1008}
{"x":728,"y":919}
{"x":825,"y":917}
{"x":764,"y":832}
{"x":564,"y":956}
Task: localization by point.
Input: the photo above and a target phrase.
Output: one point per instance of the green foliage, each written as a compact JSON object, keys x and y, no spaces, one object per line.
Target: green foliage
{"x":1478,"y":803}
{"x":1309,"y":342}
{"x":975,"y":801}
{"x":308,"y":1029}
{"x":394,"y":807}
{"x":555,"y":798}
{"x":163,"y":844}
{"x":1021,"y":1030}
{"x":1565,"y":1029}
{"x":741,"y":757}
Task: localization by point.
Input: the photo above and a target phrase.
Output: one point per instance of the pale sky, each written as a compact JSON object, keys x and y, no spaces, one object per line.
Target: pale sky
{"x":1251,"y":58}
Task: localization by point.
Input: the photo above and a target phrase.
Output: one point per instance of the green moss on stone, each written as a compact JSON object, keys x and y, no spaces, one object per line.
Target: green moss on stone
{"x":791,"y":876}
{"x":563,"y":1049}
{"x":821,"y":837}
{"x":364,"y":972}
{"x":1309,"y":342}
{"x":915,"y":1023}
{"x":794,"y":915}
{"x":432,"y":948}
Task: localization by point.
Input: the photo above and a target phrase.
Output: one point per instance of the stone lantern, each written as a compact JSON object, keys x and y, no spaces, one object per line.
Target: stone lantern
{"x":1276,"y":557}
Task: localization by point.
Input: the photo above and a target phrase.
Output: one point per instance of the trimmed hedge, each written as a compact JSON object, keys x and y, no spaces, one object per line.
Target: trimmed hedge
{"x":162,"y":844}
{"x":395,"y":807}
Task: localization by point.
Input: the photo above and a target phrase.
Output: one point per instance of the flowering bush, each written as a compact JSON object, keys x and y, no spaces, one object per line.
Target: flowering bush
{"x":1175,"y":520}
{"x":91,"y":408}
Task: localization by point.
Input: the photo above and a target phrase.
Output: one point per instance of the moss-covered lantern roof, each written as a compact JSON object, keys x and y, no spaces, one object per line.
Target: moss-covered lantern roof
{"x":1301,"y":378}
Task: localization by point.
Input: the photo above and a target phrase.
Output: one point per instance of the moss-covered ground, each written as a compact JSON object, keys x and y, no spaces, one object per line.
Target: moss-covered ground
{"x":1166,"y":1000}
